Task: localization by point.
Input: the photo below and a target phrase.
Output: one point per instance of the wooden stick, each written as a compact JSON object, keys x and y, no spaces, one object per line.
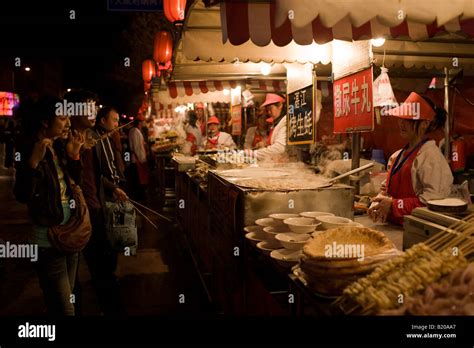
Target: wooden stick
{"x":150,"y":210}
{"x":146,"y":217}
{"x":114,"y":130}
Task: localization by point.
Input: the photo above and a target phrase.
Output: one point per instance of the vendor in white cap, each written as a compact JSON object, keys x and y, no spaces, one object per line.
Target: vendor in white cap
{"x":276,"y":140}
{"x":215,"y":138}
{"x":418,"y":172}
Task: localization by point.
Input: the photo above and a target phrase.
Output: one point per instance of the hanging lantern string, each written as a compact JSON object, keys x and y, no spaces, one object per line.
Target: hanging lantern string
{"x":383,"y":60}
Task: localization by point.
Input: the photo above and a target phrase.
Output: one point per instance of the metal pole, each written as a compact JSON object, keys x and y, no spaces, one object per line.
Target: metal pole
{"x":356,"y":157}
{"x":447,"y":145}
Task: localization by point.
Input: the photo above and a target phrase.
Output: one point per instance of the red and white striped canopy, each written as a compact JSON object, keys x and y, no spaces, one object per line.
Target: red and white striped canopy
{"x":321,"y":21}
{"x":189,"y":88}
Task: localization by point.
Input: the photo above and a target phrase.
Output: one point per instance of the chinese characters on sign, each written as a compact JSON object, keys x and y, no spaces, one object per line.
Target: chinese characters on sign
{"x":300,"y":120}
{"x":236,"y":115}
{"x":353,"y":103}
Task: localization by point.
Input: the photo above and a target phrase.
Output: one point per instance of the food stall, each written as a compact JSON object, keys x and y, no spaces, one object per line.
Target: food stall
{"x":229,"y":213}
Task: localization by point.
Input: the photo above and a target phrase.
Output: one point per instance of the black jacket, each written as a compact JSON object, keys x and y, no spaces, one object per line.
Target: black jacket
{"x":39,"y":188}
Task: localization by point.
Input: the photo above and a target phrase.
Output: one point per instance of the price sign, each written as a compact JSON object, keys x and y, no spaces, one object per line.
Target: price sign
{"x":300,"y":119}
{"x":353,"y":103}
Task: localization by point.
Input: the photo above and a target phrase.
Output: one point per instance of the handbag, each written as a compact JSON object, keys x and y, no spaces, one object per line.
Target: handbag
{"x":74,"y":235}
{"x":121,"y":226}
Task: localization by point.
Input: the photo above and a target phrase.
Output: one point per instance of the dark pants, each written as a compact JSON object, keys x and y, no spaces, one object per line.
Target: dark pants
{"x":135,"y":190}
{"x":57,"y":274}
{"x":102,"y":263}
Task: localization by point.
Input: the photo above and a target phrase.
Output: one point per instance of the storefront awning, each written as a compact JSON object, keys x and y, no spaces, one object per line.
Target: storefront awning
{"x":211,"y":91}
{"x":305,"y":22}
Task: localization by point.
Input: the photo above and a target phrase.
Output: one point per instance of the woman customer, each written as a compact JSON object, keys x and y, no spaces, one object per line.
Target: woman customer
{"x":418,"y":172}
{"x":42,"y":183}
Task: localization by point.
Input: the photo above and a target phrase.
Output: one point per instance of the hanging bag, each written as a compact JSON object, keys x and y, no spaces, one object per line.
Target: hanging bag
{"x":121,"y":226}
{"x":74,"y":235}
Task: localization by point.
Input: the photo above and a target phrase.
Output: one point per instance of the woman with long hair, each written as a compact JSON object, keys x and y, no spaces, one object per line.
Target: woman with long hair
{"x":41,"y":182}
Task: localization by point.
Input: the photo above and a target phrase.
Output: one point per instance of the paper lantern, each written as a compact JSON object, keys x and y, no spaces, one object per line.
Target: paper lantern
{"x":148,"y":70}
{"x":163,"y":47}
{"x":174,"y":10}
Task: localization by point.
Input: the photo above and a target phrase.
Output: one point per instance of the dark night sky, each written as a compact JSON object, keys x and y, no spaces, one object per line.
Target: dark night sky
{"x":88,"y":49}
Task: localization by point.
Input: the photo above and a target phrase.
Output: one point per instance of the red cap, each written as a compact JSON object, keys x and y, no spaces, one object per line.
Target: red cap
{"x":213,"y":119}
{"x":199,"y":106}
{"x":272,"y":98}
{"x":415,"y":107}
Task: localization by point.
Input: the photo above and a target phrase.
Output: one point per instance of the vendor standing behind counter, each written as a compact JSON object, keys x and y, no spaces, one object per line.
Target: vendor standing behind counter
{"x":277,"y":139}
{"x":257,"y":135}
{"x":419,"y":172}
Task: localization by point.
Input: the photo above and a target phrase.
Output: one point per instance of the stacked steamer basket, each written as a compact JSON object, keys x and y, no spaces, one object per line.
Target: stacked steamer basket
{"x":335,"y":258}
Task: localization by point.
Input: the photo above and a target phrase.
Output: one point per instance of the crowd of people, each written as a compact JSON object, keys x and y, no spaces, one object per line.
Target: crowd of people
{"x":58,"y":153}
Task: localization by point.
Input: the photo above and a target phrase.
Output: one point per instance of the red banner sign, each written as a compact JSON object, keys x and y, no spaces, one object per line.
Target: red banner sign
{"x":353,"y":103}
{"x":236,"y":119}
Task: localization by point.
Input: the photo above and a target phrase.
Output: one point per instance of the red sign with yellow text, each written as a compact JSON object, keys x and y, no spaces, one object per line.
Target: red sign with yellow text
{"x":353,"y":103}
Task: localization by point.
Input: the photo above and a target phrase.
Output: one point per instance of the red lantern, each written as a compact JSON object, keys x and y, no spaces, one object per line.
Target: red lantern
{"x":148,"y":70}
{"x":163,"y":47}
{"x":174,"y":10}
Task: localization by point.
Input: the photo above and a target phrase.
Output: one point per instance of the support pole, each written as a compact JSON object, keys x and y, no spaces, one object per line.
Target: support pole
{"x":447,"y":143}
{"x":356,"y":157}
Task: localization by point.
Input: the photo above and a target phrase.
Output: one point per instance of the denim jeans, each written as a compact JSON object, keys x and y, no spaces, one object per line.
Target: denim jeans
{"x":57,"y":274}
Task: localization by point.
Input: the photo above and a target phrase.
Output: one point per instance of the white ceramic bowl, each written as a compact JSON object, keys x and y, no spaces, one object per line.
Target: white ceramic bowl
{"x":293,"y":241}
{"x":286,"y":258}
{"x":282,"y":216}
{"x":301,"y":224}
{"x":272,"y":231}
{"x":254,"y":228}
{"x":267,"y":247}
{"x":266,"y":222}
{"x":253,"y":238}
{"x":356,"y":224}
{"x":258,"y":230}
{"x":315,"y":214}
{"x":334,"y":222}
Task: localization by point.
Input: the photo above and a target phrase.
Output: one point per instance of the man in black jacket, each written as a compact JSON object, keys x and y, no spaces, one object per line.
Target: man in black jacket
{"x":100,"y":182}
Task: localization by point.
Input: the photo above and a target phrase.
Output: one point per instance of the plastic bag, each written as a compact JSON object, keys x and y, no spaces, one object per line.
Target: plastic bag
{"x":121,"y":226}
{"x":383,"y":92}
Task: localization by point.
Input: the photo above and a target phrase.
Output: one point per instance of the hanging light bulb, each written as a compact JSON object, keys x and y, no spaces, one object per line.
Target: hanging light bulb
{"x":378,"y":42}
{"x":265,"y":69}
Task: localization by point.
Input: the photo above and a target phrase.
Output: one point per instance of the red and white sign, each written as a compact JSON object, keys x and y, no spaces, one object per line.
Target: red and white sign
{"x":236,"y":119}
{"x":353,"y":103}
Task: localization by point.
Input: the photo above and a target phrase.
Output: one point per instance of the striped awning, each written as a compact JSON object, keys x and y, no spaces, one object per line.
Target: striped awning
{"x":189,"y":88}
{"x":305,"y":22}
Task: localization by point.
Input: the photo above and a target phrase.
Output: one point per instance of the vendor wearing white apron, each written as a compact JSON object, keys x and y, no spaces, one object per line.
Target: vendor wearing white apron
{"x":217,"y":139}
{"x":418,"y":172}
{"x":276,"y":140}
